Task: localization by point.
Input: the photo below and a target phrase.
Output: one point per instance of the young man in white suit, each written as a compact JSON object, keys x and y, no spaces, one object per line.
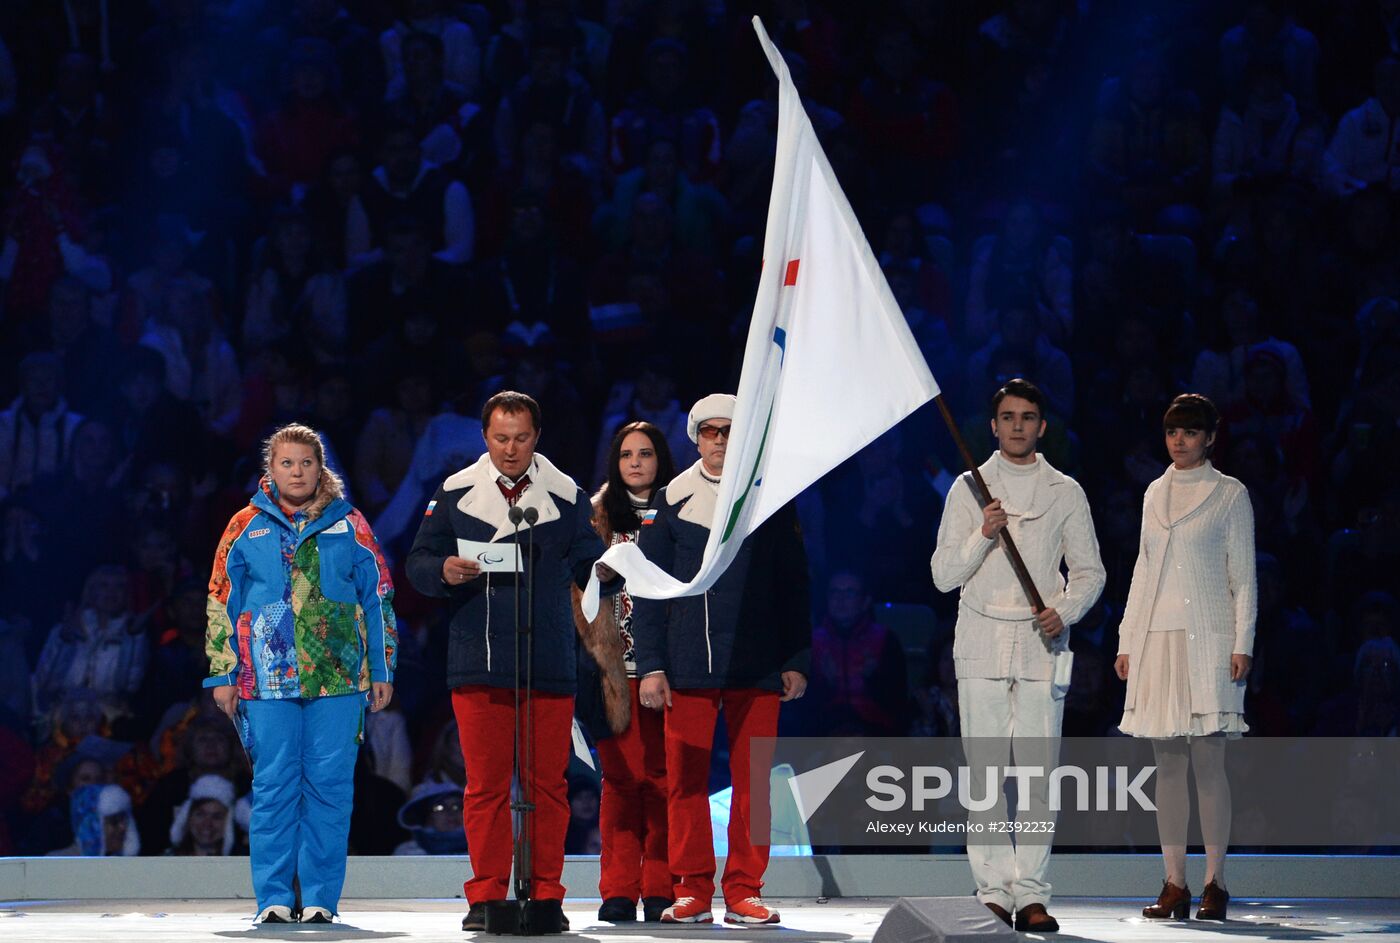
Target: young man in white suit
{"x":1013,"y":663}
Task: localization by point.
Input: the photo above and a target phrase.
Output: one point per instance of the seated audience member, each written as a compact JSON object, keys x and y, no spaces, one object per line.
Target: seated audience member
{"x":101,"y":648}
{"x":405,"y":184}
{"x":203,"y":824}
{"x":433,"y":816}
{"x":1023,"y":263}
{"x":858,"y":685}
{"x":102,"y":824}
{"x":37,"y":430}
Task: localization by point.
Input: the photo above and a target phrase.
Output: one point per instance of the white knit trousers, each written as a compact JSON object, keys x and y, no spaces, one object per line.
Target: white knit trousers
{"x":1005,"y":722}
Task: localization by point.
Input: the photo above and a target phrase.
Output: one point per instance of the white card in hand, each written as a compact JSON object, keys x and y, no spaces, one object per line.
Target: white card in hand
{"x":492,"y":558}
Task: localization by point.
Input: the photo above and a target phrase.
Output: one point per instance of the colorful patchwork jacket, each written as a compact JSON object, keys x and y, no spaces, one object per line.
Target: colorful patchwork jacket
{"x":299,"y":608}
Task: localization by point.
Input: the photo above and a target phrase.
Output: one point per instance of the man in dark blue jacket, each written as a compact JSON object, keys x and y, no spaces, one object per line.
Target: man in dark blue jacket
{"x":474,"y":504}
{"x":744,"y":645}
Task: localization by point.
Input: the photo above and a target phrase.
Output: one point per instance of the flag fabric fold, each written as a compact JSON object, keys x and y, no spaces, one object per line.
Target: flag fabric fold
{"x":830,"y":363}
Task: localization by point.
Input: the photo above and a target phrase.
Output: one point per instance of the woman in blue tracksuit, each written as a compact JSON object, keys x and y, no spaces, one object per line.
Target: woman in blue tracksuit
{"x":301,"y":637}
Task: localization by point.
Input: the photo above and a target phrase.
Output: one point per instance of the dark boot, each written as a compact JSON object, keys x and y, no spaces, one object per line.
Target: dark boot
{"x":1174,"y":903}
{"x":1215,"y":903}
{"x":618,"y":910}
{"x":653,"y":906}
{"x":1000,"y":912}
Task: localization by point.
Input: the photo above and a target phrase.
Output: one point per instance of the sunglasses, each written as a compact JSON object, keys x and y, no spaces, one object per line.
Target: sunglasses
{"x":713,"y":432}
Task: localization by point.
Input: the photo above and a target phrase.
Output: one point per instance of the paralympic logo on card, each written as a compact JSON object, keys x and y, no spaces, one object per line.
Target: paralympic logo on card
{"x":491,"y":558}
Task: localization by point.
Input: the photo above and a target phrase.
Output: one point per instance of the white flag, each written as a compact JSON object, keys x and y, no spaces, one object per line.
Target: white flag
{"x":830,"y":363}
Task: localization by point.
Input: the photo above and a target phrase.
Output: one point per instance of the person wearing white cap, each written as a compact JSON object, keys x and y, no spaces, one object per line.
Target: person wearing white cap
{"x":743,"y":646}
{"x":203,"y":823}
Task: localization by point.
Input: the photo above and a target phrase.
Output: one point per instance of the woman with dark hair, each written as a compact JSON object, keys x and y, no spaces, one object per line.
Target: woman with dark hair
{"x":1186,"y":643}
{"x":632,"y":815}
{"x":301,"y":639}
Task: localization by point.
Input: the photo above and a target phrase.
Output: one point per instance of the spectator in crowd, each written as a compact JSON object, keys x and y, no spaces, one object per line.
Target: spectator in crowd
{"x":297,"y":139}
{"x":858,"y":688}
{"x":102,"y":823}
{"x":433,"y":816}
{"x":449,"y":126}
{"x":1270,"y":135}
{"x":203,"y":823}
{"x":100,"y":648}
{"x":1219,"y":374}
{"x":406,"y":184}
{"x":295,"y":297}
{"x":1269,"y":34}
{"x":37,"y":430}
{"x":200,"y":366}
{"x":1363,"y":148}
{"x":458,"y":45}
{"x":554,"y":93}
{"x":1025,"y":262}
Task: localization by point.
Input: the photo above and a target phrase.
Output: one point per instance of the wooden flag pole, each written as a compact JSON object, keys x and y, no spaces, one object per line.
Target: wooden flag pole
{"x":1017,"y":564}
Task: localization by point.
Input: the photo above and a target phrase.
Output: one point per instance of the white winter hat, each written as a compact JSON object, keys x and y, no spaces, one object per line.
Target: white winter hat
{"x":714,"y":406}
{"x":114,"y":800}
{"x":208,"y":786}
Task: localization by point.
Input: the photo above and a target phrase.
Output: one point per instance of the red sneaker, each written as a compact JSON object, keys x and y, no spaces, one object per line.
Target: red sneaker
{"x":750,"y":910}
{"x":688,"y":910}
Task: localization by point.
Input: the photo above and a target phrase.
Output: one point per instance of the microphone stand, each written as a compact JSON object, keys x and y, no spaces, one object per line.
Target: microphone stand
{"x":522,"y":916}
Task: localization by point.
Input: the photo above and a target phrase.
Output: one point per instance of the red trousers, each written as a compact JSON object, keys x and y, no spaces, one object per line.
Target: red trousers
{"x":690,"y":731}
{"x":486,"y":729}
{"x":632,"y":817}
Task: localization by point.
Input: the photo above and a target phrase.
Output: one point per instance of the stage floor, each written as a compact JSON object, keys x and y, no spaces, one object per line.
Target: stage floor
{"x":847,"y":920}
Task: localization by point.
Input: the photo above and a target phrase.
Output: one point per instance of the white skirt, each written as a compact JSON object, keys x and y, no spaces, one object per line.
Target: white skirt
{"x":1163,"y":707}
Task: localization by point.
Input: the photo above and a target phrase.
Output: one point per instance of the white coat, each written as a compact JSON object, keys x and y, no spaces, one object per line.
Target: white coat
{"x":1215,"y":550}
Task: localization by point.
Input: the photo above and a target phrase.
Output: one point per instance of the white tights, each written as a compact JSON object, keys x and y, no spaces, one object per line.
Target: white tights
{"x":1207,"y":755}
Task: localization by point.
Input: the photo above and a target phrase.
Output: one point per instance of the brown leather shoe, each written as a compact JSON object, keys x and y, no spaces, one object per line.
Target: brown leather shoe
{"x":1001,"y":913}
{"x":1035,"y":918}
{"x":1174,"y":903}
{"x":1215,"y":902}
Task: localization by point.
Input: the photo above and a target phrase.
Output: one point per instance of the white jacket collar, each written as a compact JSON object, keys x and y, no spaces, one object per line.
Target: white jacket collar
{"x":1047,"y":489}
{"x":485,"y":502}
{"x":703,"y":495}
{"x":1161,"y":498}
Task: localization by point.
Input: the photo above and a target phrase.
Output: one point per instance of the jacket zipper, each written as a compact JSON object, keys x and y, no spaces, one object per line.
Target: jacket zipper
{"x":488,"y":621}
{"x":709,"y":654}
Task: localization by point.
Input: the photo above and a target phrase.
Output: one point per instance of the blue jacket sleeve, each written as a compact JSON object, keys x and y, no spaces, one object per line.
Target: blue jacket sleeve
{"x":374,"y":588}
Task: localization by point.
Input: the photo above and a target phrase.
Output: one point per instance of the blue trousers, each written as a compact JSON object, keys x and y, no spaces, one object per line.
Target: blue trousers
{"x":303,"y":753}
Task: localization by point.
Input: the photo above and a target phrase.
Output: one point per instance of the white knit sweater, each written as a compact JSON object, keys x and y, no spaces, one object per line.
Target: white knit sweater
{"x":1213,"y":544}
{"x":995,"y":636}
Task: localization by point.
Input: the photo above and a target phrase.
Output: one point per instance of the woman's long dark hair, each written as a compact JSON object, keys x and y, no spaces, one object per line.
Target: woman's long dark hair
{"x":621,"y":517}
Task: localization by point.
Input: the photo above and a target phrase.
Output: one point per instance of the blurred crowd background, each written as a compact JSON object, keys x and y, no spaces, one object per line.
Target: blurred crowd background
{"x":369,"y":215}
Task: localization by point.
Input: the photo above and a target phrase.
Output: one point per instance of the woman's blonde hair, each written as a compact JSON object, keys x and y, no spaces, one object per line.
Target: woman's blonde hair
{"x":328,"y":485}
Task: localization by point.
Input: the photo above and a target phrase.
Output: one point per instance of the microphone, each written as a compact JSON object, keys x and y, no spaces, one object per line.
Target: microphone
{"x":531,"y":515}
{"x":517,"y":514}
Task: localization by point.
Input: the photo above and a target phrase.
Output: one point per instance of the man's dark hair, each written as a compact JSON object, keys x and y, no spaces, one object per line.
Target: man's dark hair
{"x":1022,"y":388}
{"x":509,"y":401}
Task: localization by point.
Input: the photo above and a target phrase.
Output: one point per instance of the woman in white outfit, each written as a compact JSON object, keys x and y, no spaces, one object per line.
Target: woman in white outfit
{"x":1185,"y":645}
